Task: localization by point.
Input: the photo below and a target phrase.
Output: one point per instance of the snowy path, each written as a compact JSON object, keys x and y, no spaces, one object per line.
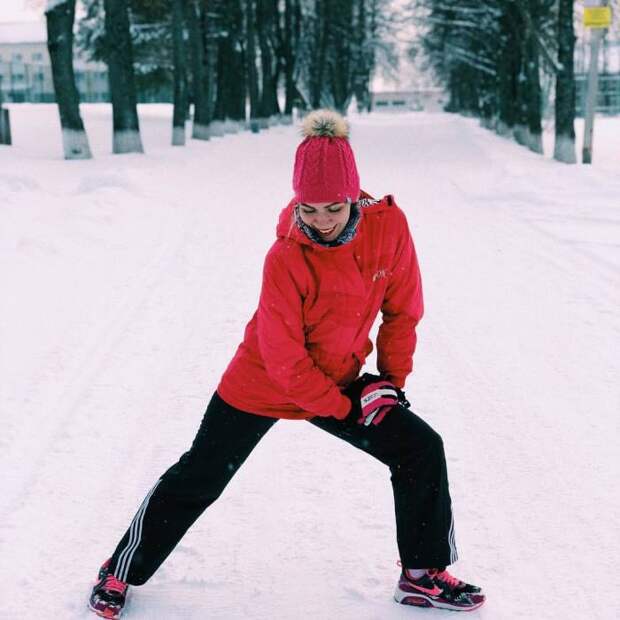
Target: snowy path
{"x":129,"y":282}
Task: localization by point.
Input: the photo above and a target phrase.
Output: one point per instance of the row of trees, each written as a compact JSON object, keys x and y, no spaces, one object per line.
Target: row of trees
{"x":232,"y":59}
{"x":495,"y":56}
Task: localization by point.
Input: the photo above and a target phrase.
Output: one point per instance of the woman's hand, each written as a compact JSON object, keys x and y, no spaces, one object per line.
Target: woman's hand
{"x":372,"y":398}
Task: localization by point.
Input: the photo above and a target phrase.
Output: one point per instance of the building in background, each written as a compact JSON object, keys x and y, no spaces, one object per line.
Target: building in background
{"x":608,"y":100}
{"x":428,"y":99}
{"x":408,"y":88}
{"x":26,"y":72}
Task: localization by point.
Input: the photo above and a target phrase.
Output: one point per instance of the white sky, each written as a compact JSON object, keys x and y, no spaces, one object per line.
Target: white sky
{"x":21,"y":10}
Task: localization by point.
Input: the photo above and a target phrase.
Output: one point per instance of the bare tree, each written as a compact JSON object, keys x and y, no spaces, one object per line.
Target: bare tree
{"x":267,"y":13}
{"x":60,"y":15}
{"x":363,"y":36}
{"x":290,"y":42}
{"x":315,"y":52}
{"x":319,"y":56}
{"x":126,"y":136}
{"x":231,"y":68}
{"x":180,"y":72}
{"x":342,"y":57}
{"x":202,"y":116}
{"x":533,"y":94}
{"x":564,"y":149}
{"x":251,"y":68}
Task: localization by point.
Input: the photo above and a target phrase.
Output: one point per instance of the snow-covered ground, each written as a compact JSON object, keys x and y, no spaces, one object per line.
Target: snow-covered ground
{"x":125,"y":286}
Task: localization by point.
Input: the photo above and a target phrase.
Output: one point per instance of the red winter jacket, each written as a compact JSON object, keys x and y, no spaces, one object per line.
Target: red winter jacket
{"x":309,"y":336}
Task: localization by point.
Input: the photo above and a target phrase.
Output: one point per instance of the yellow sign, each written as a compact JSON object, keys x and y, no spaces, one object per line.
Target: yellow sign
{"x":597,"y":16}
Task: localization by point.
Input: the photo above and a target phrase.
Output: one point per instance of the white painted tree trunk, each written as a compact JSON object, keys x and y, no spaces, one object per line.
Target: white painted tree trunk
{"x":127,"y":141}
{"x":60,"y":17}
{"x":502,"y":129}
{"x":201,"y":131}
{"x":564,"y":150}
{"x":126,"y":125}
{"x":534,"y":142}
{"x":178,"y":136}
{"x":217,"y":128}
{"x":75,"y":144}
{"x":230,"y":126}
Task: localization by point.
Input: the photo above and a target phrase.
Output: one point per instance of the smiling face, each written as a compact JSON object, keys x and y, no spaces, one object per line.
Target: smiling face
{"x":328,"y":219}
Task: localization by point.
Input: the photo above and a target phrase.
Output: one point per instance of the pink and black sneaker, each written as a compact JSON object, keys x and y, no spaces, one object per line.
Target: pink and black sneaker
{"x":445,"y":592}
{"x":445,"y":580}
{"x":109,"y":594}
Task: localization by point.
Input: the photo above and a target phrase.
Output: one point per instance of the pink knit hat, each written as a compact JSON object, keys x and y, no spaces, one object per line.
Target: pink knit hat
{"x":325,"y":169}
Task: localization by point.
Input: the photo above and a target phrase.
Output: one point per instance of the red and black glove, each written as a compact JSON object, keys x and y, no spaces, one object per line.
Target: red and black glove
{"x":372,"y":398}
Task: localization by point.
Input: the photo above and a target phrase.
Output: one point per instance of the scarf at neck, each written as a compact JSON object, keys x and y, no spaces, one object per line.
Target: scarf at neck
{"x":345,"y":236}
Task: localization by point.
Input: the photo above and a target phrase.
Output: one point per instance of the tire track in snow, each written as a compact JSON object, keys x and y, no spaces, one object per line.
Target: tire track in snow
{"x":86,"y":367}
{"x":523,"y":451}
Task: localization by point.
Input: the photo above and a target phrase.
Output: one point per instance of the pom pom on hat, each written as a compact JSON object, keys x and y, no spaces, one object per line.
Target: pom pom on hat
{"x":324,"y":124}
{"x":325,"y":169}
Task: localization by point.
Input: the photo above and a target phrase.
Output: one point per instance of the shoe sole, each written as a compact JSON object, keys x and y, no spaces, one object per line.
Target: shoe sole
{"x":422,"y":600}
{"x":108,"y":614}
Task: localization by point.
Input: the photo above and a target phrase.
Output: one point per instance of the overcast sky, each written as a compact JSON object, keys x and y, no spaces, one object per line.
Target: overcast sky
{"x":21,"y":10}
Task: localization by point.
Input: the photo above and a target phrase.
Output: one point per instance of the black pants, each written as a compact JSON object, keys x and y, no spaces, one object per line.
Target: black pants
{"x":406,"y":444}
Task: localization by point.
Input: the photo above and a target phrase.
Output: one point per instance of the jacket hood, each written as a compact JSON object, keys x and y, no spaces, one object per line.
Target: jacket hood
{"x":288,"y":229}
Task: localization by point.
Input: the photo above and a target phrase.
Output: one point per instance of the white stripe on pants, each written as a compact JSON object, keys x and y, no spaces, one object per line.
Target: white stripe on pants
{"x":135,"y":536}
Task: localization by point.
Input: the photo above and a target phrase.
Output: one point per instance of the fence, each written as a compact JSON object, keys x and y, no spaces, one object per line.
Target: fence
{"x":608,"y":101}
{"x":22,"y":82}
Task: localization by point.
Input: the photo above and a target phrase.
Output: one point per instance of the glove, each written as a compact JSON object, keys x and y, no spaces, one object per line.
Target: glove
{"x":402,"y":399}
{"x":372,"y":398}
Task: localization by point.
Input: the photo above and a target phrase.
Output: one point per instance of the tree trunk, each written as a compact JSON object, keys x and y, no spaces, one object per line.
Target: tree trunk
{"x":202,"y":118}
{"x":126,"y":137}
{"x":488,"y":103}
{"x":319,"y":56}
{"x":221,"y":84}
{"x":533,"y":94}
{"x":519,"y":131}
{"x":221,"y":12}
{"x":292,"y":20}
{"x":371,"y":53}
{"x":267,"y":11}
{"x":180,"y":72}
{"x":564,"y":149}
{"x":236,"y":79}
{"x":362,"y":59}
{"x":340,"y":57}
{"x":453,"y":92}
{"x":209,"y":26}
{"x":520,"y":71}
{"x":252,"y":73}
{"x":60,"y":20}
{"x":507,"y":72}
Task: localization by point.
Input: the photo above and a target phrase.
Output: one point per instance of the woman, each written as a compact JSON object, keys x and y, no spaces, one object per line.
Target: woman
{"x":340,"y":257}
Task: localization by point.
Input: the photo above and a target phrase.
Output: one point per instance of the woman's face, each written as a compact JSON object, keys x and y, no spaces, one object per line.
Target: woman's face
{"x":328,"y":219}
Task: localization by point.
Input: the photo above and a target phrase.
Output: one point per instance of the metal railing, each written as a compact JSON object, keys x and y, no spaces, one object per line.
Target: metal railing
{"x":608,"y":100}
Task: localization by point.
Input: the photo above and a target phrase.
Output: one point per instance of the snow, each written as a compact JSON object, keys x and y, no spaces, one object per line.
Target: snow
{"x":126,"y":284}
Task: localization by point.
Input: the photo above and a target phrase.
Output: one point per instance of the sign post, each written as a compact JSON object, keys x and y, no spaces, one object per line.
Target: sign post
{"x":597,"y":17}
